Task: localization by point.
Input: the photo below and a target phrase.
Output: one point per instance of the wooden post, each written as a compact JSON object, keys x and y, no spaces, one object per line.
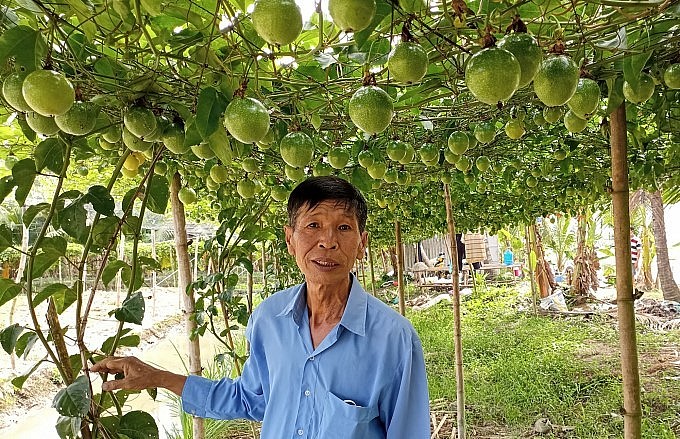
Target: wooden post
{"x":264,"y":269}
{"x":153,"y":273}
{"x":632,"y":408}
{"x":184,"y":272}
{"x":370,"y":265}
{"x":529,"y":246}
{"x":400,"y":267}
{"x":457,"y":337}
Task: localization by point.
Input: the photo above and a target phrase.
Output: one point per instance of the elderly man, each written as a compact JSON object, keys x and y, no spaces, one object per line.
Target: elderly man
{"x":327,"y":360}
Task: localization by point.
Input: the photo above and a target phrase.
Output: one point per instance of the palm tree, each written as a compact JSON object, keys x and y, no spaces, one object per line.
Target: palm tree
{"x":665,"y":276}
{"x":559,"y":237}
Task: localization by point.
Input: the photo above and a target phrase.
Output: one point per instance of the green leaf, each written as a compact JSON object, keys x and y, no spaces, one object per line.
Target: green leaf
{"x":138,"y":425}
{"x":129,"y":197}
{"x":615,"y":98}
{"x":221,"y":146}
{"x":23,"y":174}
{"x":104,"y":231}
{"x":19,"y":381}
{"x":9,"y":336}
{"x":129,"y":341}
{"x":63,"y":299}
{"x":101,"y":200}
{"x":184,"y":14}
{"x":159,"y":194}
{"x":54,"y":244}
{"x":50,"y":154}
{"x":68,"y":427}
{"x":132,"y":309}
{"x":48,"y":292}
{"x":191,"y":135}
{"x":7,"y":184}
{"x":74,"y":400}
{"x":73,"y":220}
{"x":5,"y":237}
{"x":211,"y":106}
{"x":8,"y":290}
{"x":153,"y":7}
{"x":25,"y":343}
{"x":25,"y":44}
{"x":383,"y":9}
{"x":32,"y":211}
{"x":632,"y":67}
{"x":245,"y":263}
{"x":149,"y":263}
{"x":111,"y":269}
{"x":42,"y":262}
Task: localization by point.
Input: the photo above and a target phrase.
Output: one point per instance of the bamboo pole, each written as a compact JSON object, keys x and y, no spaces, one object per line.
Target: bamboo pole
{"x":153,"y":273}
{"x":531,"y":269}
{"x":632,"y":409}
{"x":370,"y":265}
{"x":184,"y":272}
{"x":458,"y":342}
{"x":400,"y":267}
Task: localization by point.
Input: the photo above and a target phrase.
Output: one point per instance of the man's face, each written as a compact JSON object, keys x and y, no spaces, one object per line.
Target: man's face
{"x":325,"y":242}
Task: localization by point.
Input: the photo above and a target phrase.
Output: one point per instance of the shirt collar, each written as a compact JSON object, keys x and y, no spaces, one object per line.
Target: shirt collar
{"x":354,"y":316}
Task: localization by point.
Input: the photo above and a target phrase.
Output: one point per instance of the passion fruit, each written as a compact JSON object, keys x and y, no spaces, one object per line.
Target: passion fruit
{"x":338,"y":157}
{"x":556,"y":80}
{"x":514,"y":129}
{"x":140,"y":121}
{"x":574,"y":123}
{"x":371,"y":109}
{"x":246,"y":188}
{"x":458,"y":142}
{"x":528,"y":54}
{"x":407,"y":62}
{"x":187,"y":195}
{"x":485,"y":132}
{"x":11,"y":91}
{"x":492,"y":75}
{"x":247,"y":120}
{"x":79,"y":120}
{"x":672,"y":76}
{"x":552,"y":114}
{"x":352,"y":15}
{"x":642,"y":93}
{"x":277,"y":21}
{"x":42,"y":124}
{"x":173,"y":139}
{"x":297,"y":149}
{"x":586,"y":98}
{"x":48,"y":93}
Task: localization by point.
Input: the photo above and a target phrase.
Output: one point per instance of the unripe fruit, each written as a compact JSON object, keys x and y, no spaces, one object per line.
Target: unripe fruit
{"x":48,"y":93}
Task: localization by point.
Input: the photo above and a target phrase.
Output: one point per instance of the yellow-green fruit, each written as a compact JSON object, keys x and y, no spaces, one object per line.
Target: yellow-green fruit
{"x":219,"y":174}
{"x":338,"y":157}
{"x":129,"y":173}
{"x":552,"y":114}
{"x":390,"y":175}
{"x":211,"y":184}
{"x":187,"y":195}
{"x":396,"y":150}
{"x":247,"y":120}
{"x":267,"y":140}
{"x":11,"y":91}
{"x":322,"y":169}
{"x":106,"y":145}
{"x":483,"y":163}
{"x":371,"y":109}
{"x":203,"y":151}
{"x":573,"y":123}
{"x":249,"y":164}
{"x":429,"y":152}
{"x":365,"y":158}
{"x":113,"y":134}
{"x":458,"y":142}
{"x":42,"y":124}
{"x":531,"y":181}
{"x":409,"y":155}
{"x":277,"y":21}
{"x":407,"y":62}
{"x":451,"y":157}
{"x":297,"y":149}
{"x":246,"y":188}
{"x":539,"y":119}
{"x":377,"y":170}
{"x":161,"y":168}
{"x":492,"y":75}
{"x":586,"y":98}
{"x":514,"y":129}
{"x":403,"y":178}
{"x":485,"y":132}
{"x":672,"y":76}
{"x":295,"y":174}
{"x":644,"y":90}
{"x":79,"y":120}
{"x":556,"y":80}
{"x":528,"y":54}
{"x":135,"y":143}
{"x":131,"y":163}
{"x":279,"y":193}
{"x":173,"y":139}
{"x":463,"y":164}
{"x":352,"y":15}
{"x":140,"y":121}
{"x":48,"y":92}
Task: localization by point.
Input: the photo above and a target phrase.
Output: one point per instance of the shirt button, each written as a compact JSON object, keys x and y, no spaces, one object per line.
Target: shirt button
{"x":311,"y":358}
{"x":300,"y":432}
{"x":307,"y":393}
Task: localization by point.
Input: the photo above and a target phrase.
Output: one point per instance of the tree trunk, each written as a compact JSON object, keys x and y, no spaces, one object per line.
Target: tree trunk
{"x":544,"y":275}
{"x":665,"y":275}
{"x":585,"y":262}
{"x":19,"y":275}
{"x":184,"y":272}
{"x":392,"y":251}
{"x":400,"y":267}
{"x":457,"y":338}
{"x":632,"y":408}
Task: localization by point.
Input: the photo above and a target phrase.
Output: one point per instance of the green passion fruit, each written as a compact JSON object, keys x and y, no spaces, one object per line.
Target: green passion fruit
{"x":11,"y":91}
{"x":407,"y":62}
{"x":140,"y":121}
{"x":671,"y":76}
{"x":492,"y":75}
{"x":458,"y":142}
{"x":42,"y":124}
{"x":79,"y":120}
{"x":556,"y":80}
{"x":297,"y":149}
{"x":247,"y":120}
{"x":277,"y":21}
{"x":528,"y":54}
{"x":371,"y":109}
{"x":352,"y":15}
{"x":48,"y":93}
{"x":643,"y":91}
{"x":586,"y":98}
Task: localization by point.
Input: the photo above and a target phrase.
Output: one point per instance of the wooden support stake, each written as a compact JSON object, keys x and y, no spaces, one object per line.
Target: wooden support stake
{"x":370,"y":265}
{"x":458,"y":341}
{"x":400,"y":267}
{"x":632,"y":408}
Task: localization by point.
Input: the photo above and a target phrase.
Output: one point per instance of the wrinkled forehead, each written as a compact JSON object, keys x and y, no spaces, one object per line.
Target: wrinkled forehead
{"x":338,"y":207}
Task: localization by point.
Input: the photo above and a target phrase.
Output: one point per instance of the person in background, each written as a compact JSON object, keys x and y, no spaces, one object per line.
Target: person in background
{"x":635,"y":249}
{"x":327,"y":360}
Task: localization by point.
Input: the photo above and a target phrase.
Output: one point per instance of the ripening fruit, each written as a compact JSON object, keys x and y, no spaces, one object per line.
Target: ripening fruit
{"x":672,"y":76}
{"x":245,"y":188}
{"x":297,"y":149}
{"x":407,"y":62}
{"x":528,"y":54}
{"x":277,"y":21}
{"x":135,"y":143}
{"x":294,"y":174}
{"x":573,"y":123}
{"x":396,"y":150}
{"x":352,"y":15}
{"x":187,"y":195}
{"x":338,"y":157}
{"x":377,"y":170}
{"x":483,"y":163}
{"x":644,"y":90}
{"x":492,"y":75}
{"x":113,"y":134}
{"x":249,"y":164}
{"x":140,"y":121}
{"x":485,"y":132}
{"x":365,"y":158}
{"x":173,"y":139}
{"x":458,"y":142}
{"x":131,"y":162}
{"x":11,"y":91}
{"x":322,"y":169}
{"x":219,"y":174}
{"x":556,"y":80}
{"x":279,"y":193}
{"x":48,"y":92}
{"x":203,"y":151}
{"x":514,"y":129}
{"x":79,"y":120}
{"x":42,"y":124}
{"x":371,"y":109}
{"x":552,"y":114}
{"x":586,"y":98}
{"x":247,"y":120}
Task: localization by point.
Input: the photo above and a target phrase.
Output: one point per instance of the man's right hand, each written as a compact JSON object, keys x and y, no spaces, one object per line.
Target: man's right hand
{"x":137,"y":375}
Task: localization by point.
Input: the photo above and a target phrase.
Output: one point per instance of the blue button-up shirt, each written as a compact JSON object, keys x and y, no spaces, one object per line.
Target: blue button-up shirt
{"x":366,"y":380}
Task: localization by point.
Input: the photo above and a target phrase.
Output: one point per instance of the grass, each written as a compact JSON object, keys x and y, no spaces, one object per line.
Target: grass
{"x":519,"y":368}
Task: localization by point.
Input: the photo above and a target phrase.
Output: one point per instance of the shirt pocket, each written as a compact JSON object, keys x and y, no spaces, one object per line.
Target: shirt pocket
{"x":341,"y":420}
